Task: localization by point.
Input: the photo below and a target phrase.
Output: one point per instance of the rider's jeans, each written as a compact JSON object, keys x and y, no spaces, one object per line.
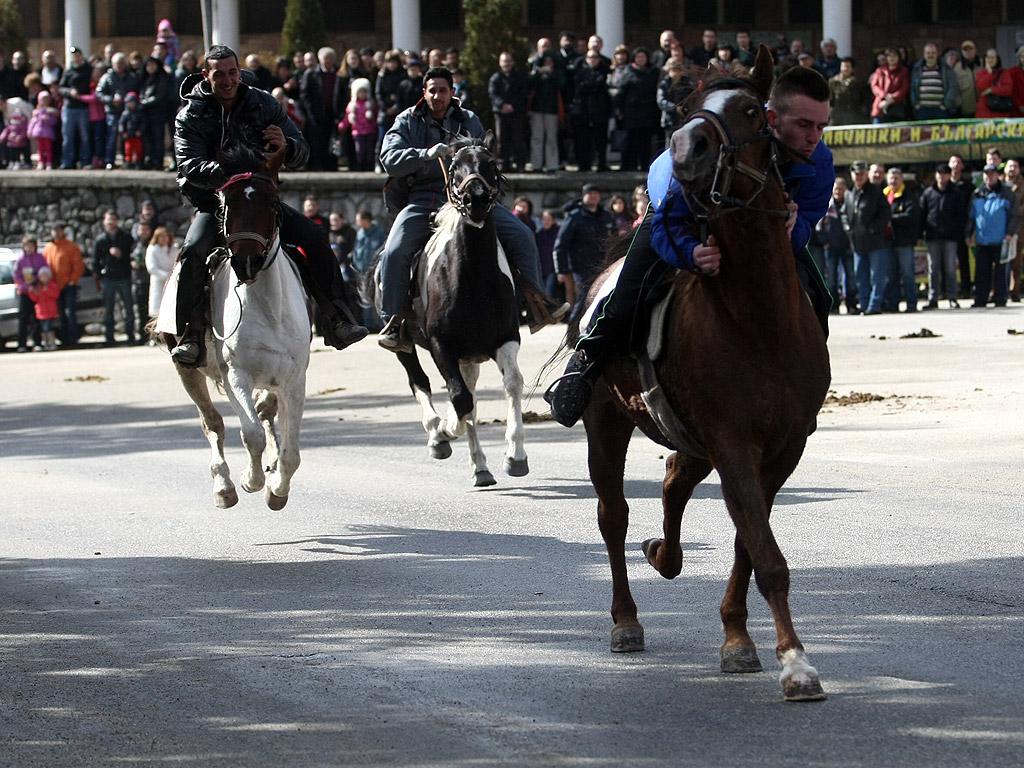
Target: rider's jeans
{"x":410,"y":232}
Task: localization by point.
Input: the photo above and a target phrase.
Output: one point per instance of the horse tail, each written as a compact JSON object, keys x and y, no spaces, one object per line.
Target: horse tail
{"x":368,"y":281}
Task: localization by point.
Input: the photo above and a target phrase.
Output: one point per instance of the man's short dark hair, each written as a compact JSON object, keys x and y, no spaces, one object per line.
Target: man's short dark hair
{"x":438,"y":73}
{"x":848,"y":59}
{"x":218,"y":52}
{"x":803,"y":81}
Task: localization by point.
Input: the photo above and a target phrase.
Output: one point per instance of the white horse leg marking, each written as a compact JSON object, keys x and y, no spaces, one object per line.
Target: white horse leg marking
{"x":477,"y":460}
{"x":266,"y":409}
{"x":290,"y":408}
{"x":437,"y":443}
{"x":194,"y":381}
{"x":239,"y":390}
{"x":507,"y":359}
{"x":799,"y":679}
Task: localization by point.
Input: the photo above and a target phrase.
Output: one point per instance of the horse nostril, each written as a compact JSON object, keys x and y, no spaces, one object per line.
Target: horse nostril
{"x":699,"y":148}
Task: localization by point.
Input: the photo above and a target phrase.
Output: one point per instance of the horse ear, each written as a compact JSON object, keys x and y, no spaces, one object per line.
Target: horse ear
{"x":489,"y":141}
{"x":763,"y":71}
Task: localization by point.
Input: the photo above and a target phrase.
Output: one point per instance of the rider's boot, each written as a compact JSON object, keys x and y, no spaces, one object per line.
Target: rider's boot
{"x":543,"y":309}
{"x":393,"y":336}
{"x":339,"y":332}
{"x":570,"y":394}
{"x":190,"y":351}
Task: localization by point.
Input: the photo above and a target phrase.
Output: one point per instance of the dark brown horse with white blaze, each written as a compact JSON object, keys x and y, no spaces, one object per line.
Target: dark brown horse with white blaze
{"x":744,"y":368}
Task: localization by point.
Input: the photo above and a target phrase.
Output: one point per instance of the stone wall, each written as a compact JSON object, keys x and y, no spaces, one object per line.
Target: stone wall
{"x":30,"y":201}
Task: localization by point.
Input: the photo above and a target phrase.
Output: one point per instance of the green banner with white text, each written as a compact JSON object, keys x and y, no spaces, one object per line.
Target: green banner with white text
{"x":925,"y":141}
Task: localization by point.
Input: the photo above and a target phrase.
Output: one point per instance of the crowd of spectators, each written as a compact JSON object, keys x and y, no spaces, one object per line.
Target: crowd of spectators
{"x":865,"y":245}
{"x":569,"y":103}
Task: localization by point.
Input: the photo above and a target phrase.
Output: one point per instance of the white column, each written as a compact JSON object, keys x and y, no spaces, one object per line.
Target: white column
{"x":611,"y":27}
{"x":227,"y":25}
{"x":837,"y":23}
{"x":405,"y":26}
{"x":77,"y":27}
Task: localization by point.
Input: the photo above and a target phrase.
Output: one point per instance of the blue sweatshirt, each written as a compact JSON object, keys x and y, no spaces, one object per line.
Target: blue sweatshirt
{"x":809,"y":186}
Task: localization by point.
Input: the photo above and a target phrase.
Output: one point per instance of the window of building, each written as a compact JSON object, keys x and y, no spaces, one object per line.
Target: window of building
{"x":31,"y":23}
{"x":189,"y":20}
{"x":637,"y":12}
{"x":718,"y":12}
{"x":351,"y":16}
{"x":440,"y":15}
{"x":948,"y":10}
{"x":261,"y":16}
{"x":130,"y":20}
{"x":803,"y":11}
{"x":540,"y":13}
{"x":1014,"y":10}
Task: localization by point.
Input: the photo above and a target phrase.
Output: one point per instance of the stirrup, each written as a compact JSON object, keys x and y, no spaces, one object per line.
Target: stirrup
{"x":190,"y":352}
{"x":569,"y":394}
{"x":541,"y":316}
{"x":392,"y":336}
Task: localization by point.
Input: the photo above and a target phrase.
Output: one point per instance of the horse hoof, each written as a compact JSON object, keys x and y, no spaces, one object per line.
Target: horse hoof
{"x":225,"y":499}
{"x":517,"y":467}
{"x":483,"y":479}
{"x":440,"y":450}
{"x":803,"y":691}
{"x":646,"y":546}
{"x":274,"y":501}
{"x":798,"y":678}
{"x":628,"y":639}
{"x":740,"y":659}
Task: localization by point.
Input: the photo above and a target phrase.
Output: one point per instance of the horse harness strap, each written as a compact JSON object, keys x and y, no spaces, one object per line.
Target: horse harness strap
{"x":455,"y":194}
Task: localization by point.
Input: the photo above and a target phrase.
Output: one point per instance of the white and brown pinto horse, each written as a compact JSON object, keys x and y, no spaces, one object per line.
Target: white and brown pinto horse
{"x":466,"y":312}
{"x":259,"y":336}
{"x":744,"y":369}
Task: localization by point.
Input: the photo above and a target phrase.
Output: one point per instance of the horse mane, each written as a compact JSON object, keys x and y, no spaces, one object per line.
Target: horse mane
{"x":446,"y":219}
{"x":241,"y":158}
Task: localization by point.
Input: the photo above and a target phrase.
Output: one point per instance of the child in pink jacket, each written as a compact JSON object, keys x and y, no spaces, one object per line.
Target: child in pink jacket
{"x":362,"y":117}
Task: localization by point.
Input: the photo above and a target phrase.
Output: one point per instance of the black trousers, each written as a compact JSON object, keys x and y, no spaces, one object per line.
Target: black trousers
{"x":320,"y":272}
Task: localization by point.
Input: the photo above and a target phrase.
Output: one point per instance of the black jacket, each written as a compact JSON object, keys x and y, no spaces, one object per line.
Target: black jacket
{"x":590,"y":99}
{"x":867,"y":210}
{"x":943,"y":214}
{"x":578,"y":246}
{"x":202,"y":127}
{"x":512,"y":88}
{"x":906,"y":223}
{"x":106,"y":266}
{"x":80,"y":79}
{"x":637,"y":102}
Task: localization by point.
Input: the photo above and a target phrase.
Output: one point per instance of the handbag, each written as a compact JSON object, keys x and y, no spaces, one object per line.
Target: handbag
{"x":397,"y":191}
{"x":999,"y":103}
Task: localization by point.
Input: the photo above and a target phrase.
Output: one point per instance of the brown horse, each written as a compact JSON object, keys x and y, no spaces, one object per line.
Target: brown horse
{"x":744,"y":368}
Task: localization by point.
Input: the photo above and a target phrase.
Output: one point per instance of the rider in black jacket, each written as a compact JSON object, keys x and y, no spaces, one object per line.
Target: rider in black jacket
{"x":220,"y":109}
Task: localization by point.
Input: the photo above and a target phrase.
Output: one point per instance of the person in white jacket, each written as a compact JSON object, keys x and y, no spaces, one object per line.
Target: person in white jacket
{"x":160,"y":255}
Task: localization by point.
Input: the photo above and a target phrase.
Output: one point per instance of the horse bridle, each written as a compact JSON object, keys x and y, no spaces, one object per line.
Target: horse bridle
{"x":264,"y":243}
{"x":720,"y":201}
{"x":494,"y":192}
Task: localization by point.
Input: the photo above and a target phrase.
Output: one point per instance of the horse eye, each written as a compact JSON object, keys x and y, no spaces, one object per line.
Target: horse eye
{"x":751,"y":112}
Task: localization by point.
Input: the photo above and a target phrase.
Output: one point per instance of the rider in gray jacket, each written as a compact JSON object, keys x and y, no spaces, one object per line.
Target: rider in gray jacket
{"x":410,"y":152}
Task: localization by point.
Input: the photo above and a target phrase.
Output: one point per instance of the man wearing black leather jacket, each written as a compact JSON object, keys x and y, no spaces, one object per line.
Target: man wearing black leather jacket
{"x":219,"y":110}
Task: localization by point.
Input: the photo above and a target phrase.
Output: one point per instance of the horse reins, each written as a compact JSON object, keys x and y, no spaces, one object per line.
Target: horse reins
{"x":455,"y":194}
{"x":264,"y":242}
{"x":720,"y":199}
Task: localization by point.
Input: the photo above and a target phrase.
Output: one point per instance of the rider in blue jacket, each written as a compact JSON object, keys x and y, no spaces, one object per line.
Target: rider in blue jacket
{"x":797,"y":111}
{"x":410,"y":152}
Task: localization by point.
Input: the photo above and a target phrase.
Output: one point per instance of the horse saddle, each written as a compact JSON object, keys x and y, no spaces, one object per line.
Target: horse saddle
{"x":647,"y":340}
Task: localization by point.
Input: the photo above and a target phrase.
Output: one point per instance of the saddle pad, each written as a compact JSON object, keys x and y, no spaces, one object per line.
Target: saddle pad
{"x":167,"y":319}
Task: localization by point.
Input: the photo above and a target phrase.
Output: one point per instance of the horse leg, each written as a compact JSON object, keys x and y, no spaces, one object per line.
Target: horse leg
{"x":266,"y":409}
{"x":460,"y":397}
{"x":239,"y":391}
{"x":749,"y":507}
{"x":516,"y":464}
{"x":682,"y":474}
{"x":482,"y":476}
{"x":608,"y":433}
{"x":420,"y":385}
{"x":738,"y":653}
{"x":291,"y":402}
{"x":194,"y":381}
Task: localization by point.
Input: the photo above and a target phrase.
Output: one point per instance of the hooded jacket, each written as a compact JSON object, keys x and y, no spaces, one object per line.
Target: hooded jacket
{"x":403,"y":153}
{"x":203,"y":126}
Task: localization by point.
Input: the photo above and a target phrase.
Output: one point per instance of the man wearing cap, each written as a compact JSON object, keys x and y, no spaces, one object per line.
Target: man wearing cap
{"x":868,"y":214}
{"x":412,"y":149}
{"x":578,"y":254}
{"x":116,"y":83}
{"x":75,"y":83}
{"x":68,"y":266}
{"x":994,"y":217}
{"x":797,"y":112}
{"x":221,"y":110}
{"x":943,"y":212}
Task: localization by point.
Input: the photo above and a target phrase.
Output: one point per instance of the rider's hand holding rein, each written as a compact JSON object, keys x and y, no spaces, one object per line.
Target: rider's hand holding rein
{"x":274,"y":138}
{"x":439,"y":150}
{"x":791,"y":219}
{"x":707,"y":258}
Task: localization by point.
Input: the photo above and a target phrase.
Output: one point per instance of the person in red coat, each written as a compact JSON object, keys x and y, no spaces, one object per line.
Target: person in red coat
{"x":993,"y":80}
{"x":891,"y":88}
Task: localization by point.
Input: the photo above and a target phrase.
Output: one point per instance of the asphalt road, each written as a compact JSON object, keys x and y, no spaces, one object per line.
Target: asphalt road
{"x":391,"y":615}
